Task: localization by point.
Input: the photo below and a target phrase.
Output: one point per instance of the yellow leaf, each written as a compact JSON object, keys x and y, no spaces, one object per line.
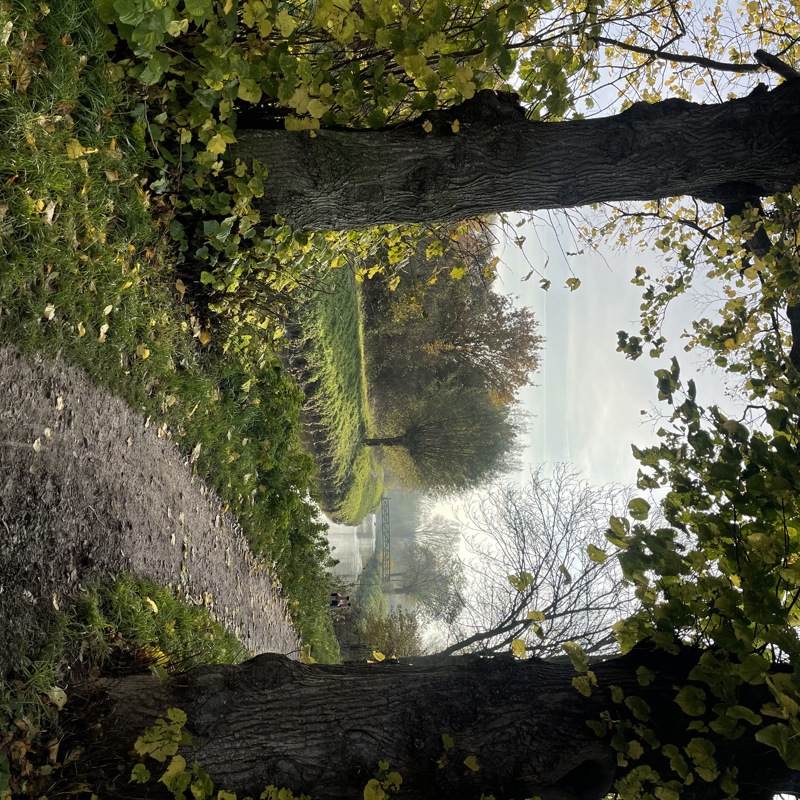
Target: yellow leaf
{"x":455,"y":126}
{"x":180,"y":286}
{"x":427,"y":126}
{"x":49,"y":312}
{"x":573,"y":284}
{"x":457,"y":273}
{"x":216,"y":145}
{"x":583,"y":685}
{"x":107,"y":310}
{"x":177,"y":27}
{"x":249,"y":90}
{"x":81,"y":329}
{"x":286,"y":23}
{"x":103,"y":332}
{"x":378,"y":656}
{"x":58,"y":697}
{"x":471,"y":763}
{"x":205,"y":337}
{"x":518,"y":648}
{"x":300,"y":123}
{"x":143,"y":352}
{"x":374,"y":791}
{"x":152,"y":604}
{"x":316,"y":108}
{"x":393,"y":780}
{"x":176,"y":766}
{"x":74,"y":149}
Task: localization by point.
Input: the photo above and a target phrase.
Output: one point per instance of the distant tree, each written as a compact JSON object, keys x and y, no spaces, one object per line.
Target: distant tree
{"x":396,"y":634}
{"x":439,"y":531}
{"x":435,"y":328}
{"x":455,"y":438}
{"x":537,"y":573}
{"x":485,"y":334}
{"x":433,"y":577}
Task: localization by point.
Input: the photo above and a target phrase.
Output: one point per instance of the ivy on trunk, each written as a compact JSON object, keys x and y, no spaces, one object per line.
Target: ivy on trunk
{"x":323,"y":729}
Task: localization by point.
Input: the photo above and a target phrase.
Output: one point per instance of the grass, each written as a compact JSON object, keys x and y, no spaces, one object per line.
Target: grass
{"x":350,"y":479}
{"x":124,"y":626}
{"x":88,"y":272}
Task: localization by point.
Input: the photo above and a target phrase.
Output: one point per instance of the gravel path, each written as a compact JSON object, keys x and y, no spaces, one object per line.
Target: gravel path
{"x":87,"y":490}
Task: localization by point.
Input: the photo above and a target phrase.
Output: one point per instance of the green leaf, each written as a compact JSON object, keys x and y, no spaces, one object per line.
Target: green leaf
{"x":701,"y":752}
{"x":470,"y":762}
{"x":645,"y":676}
{"x":638,"y":707}
{"x":156,"y":66}
{"x":635,"y":750}
{"x":447,"y":741}
{"x":140,"y":774}
{"x":199,"y":9}
{"x":691,"y":699}
{"x":596,"y":554}
{"x":745,"y":713}
{"x":780,"y":737}
{"x":639,"y":508}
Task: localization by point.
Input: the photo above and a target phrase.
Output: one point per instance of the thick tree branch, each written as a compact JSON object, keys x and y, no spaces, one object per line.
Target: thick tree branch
{"x":677,"y":58}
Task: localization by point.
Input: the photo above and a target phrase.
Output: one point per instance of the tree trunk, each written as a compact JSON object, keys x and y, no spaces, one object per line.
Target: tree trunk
{"x":499,"y":161}
{"x":386,"y":441}
{"x":323,"y":729}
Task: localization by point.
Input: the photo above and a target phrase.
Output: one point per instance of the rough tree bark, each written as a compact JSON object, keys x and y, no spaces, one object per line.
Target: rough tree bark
{"x":499,"y":161}
{"x":323,"y":729}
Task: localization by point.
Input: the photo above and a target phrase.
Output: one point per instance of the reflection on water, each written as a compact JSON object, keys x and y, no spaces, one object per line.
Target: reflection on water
{"x":352,"y":546}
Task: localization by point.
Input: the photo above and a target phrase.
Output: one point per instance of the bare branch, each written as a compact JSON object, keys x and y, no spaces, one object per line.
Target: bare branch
{"x":678,"y":58}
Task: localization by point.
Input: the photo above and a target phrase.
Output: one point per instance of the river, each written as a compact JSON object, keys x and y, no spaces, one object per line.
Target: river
{"x":352,"y":545}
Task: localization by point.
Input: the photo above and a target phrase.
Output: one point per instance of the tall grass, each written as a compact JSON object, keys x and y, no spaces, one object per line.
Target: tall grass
{"x":350,"y":479}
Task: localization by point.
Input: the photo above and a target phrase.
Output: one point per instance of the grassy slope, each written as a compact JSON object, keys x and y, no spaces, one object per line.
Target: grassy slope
{"x":87,"y":272}
{"x":350,"y":480}
{"x":108,"y":629}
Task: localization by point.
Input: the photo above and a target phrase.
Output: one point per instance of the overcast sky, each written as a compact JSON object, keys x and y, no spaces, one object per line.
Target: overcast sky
{"x":588,"y":398}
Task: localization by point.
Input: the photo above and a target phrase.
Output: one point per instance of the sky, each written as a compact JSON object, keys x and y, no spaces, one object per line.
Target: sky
{"x":587,"y":399}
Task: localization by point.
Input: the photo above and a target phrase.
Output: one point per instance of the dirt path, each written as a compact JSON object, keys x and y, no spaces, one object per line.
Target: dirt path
{"x":87,"y":490}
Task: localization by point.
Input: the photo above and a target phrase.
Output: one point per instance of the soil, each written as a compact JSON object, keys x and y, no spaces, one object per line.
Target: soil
{"x":89,"y":489}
